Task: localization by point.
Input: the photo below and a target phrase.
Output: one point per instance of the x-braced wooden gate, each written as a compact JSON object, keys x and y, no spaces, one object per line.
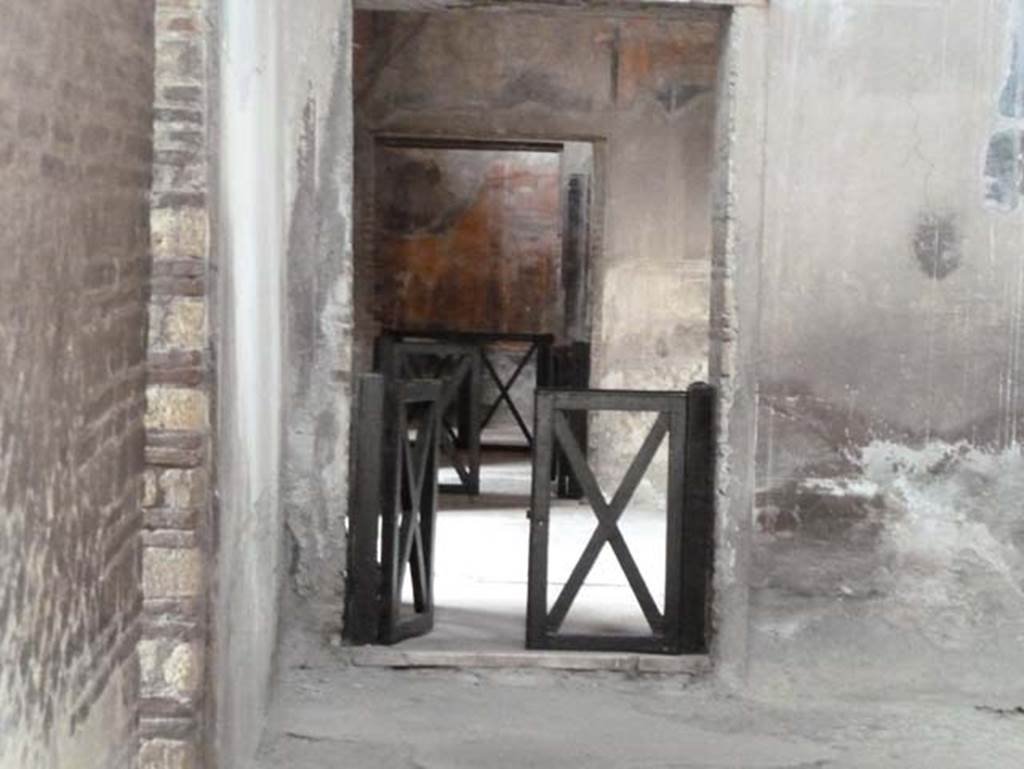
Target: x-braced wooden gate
{"x":394,"y":509}
{"x":687,"y":421}
{"x":535,"y":348}
{"x":458,"y":367}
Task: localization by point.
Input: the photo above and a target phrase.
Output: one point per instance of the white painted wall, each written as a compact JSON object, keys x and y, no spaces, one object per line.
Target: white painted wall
{"x":272,"y":54}
{"x":250,"y":302}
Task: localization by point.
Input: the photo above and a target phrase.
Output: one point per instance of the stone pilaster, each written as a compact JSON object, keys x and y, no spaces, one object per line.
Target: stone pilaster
{"x":177,"y":537}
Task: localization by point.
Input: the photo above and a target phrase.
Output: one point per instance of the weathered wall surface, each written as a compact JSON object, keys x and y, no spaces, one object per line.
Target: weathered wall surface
{"x":468,"y":240}
{"x":643,"y":88}
{"x":75,"y":152}
{"x":317,"y":152}
{"x":282,"y":370}
{"x":889,"y":542}
{"x":738,"y":206}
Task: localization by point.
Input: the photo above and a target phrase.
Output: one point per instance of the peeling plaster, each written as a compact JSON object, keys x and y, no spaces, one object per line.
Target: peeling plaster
{"x":1011,"y":98}
{"x":319,"y":286}
{"x":920,"y":546}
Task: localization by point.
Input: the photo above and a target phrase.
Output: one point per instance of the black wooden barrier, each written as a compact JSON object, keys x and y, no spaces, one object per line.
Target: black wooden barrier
{"x":458,"y":366}
{"x":393,"y":509}
{"x":687,"y":421}
{"x":536,"y":347}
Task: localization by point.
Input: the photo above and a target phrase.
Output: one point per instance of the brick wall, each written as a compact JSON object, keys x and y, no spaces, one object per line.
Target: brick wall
{"x":75,"y":154}
{"x":177,"y":489}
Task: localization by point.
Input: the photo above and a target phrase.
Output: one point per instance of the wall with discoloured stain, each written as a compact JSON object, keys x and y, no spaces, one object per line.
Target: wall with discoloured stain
{"x":76,"y":94}
{"x":889,"y":536}
{"x":642,"y":88}
{"x":318,"y":140}
{"x":282,"y":303}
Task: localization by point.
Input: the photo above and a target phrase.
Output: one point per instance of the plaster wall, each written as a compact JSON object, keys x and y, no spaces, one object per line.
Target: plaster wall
{"x":888,"y":536}
{"x":250,"y":371}
{"x":317,"y":152}
{"x":76,"y":93}
{"x":282,"y":381}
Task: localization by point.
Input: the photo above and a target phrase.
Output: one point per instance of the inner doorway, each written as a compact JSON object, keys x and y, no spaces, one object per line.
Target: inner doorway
{"x":637,"y":91}
{"x":484,"y":244}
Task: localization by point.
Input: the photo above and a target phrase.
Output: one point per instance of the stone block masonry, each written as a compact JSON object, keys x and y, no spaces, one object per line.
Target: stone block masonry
{"x":177,"y":537}
{"x":76,"y":98}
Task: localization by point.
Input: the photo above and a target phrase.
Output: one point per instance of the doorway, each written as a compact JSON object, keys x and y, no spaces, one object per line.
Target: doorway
{"x":483,"y":245}
{"x":632,"y":98}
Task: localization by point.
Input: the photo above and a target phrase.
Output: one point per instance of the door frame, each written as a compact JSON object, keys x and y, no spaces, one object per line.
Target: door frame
{"x":367,"y":327}
{"x":320,"y":478}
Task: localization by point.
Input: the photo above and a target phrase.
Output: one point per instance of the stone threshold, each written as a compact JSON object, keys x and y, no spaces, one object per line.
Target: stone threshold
{"x":616,"y":662}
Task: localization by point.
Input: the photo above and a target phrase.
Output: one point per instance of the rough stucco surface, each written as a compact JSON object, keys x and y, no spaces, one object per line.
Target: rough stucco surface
{"x":75,"y":152}
{"x":889,"y":539}
{"x":738,"y":206}
{"x":318,"y":200}
{"x":644,"y":89}
{"x":282,"y":367}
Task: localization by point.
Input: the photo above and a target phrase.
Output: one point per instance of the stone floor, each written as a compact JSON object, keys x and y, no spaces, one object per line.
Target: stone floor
{"x":329,"y":713}
{"x":328,"y":716}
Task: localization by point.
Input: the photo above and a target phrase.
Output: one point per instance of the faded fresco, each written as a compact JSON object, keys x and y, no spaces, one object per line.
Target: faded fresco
{"x":468,"y":240}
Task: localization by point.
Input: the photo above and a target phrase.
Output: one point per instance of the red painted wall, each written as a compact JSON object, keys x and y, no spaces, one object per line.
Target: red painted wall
{"x":468,"y":239}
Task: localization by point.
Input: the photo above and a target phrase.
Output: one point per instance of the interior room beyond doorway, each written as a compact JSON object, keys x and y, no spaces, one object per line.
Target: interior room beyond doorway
{"x":486,"y":238}
{"x":579,"y":209}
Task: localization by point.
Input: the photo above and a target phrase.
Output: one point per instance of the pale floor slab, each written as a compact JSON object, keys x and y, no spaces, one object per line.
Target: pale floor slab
{"x":482,"y":548}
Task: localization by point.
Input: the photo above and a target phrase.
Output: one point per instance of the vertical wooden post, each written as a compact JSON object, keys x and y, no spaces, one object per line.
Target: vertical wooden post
{"x":384,"y":356}
{"x":698,"y":516}
{"x":543,"y":444}
{"x":675,"y":531}
{"x":362,"y":604}
{"x":390,"y":490}
{"x":470,"y":417}
{"x":572,"y":371}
